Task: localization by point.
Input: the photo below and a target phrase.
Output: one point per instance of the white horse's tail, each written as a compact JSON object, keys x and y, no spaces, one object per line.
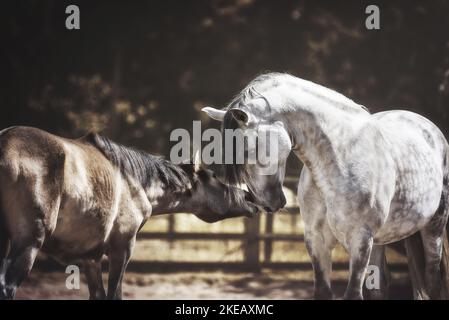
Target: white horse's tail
{"x":445,"y":202}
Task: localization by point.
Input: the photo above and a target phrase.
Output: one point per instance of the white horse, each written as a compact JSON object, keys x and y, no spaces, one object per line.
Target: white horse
{"x":368,"y":179}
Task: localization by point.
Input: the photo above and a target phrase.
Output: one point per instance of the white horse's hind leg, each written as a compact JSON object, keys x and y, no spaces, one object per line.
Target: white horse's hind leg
{"x":415,"y":259}
{"x":318,"y":237}
{"x":433,"y":248}
{"x":432,"y":237}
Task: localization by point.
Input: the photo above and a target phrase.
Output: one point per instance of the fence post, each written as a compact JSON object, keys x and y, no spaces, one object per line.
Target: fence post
{"x":252,"y":245}
{"x":171,"y":230}
{"x":268,"y":244}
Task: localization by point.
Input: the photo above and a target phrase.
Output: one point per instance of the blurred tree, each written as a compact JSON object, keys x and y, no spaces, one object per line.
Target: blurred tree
{"x":136,"y":70}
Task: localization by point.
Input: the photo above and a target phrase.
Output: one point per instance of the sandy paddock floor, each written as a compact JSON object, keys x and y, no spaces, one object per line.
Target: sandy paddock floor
{"x":196,"y":285}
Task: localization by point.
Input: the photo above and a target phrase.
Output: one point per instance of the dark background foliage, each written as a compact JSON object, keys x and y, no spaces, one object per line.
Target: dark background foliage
{"x":138,"y":69}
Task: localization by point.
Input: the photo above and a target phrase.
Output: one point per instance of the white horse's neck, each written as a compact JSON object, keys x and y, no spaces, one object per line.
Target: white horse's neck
{"x":320,"y":139}
{"x":320,"y":122}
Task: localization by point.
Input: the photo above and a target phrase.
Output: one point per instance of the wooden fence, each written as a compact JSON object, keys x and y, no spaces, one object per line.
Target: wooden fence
{"x":252,"y":242}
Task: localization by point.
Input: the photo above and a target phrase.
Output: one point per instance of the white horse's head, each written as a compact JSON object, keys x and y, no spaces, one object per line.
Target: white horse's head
{"x":263,"y":177}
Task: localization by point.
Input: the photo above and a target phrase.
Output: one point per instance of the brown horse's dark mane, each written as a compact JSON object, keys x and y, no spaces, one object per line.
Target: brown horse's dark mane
{"x":144,"y":167}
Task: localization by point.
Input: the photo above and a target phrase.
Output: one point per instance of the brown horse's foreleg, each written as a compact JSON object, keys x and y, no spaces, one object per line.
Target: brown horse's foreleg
{"x":119,"y":256}
{"x":94,"y":278}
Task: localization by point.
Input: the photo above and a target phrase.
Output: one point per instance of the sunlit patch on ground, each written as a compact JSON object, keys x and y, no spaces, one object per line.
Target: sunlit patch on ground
{"x":200,"y":285}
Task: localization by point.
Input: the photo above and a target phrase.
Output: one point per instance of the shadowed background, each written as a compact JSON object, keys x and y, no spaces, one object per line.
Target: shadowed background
{"x":138,"y":69}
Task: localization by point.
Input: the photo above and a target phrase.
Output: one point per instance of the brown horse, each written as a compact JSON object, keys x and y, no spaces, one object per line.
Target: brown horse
{"x":85,"y":198}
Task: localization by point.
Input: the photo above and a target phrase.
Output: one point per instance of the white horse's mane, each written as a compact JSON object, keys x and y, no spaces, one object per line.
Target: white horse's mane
{"x":265,"y":86}
{"x":269,"y":81}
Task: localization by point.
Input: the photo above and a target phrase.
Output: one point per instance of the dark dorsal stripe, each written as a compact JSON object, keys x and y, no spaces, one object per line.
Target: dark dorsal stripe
{"x":144,"y":167}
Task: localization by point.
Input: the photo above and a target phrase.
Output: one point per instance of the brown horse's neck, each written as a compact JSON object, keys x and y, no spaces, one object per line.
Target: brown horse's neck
{"x":171,"y":203}
{"x":167,"y":185}
{"x":166,"y":198}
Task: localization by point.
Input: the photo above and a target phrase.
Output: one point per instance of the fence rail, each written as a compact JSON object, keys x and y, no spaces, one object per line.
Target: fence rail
{"x":252,"y":239}
{"x":216,"y":236}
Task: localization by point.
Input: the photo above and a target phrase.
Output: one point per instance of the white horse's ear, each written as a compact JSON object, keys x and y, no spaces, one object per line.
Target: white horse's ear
{"x":216,"y":114}
{"x":240,"y":115}
{"x":197,"y":161}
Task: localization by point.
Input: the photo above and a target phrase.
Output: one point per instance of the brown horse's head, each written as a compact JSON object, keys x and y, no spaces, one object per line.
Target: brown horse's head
{"x":212,"y":200}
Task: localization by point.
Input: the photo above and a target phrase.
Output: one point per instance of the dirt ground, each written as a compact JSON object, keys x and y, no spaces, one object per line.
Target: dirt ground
{"x":198,"y":285}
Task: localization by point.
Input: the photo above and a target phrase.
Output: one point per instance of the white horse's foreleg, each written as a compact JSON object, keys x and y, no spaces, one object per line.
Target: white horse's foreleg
{"x":359,"y":248}
{"x":379,"y":260}
{"x":318,"y":237}
{"x":320,"y":242}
